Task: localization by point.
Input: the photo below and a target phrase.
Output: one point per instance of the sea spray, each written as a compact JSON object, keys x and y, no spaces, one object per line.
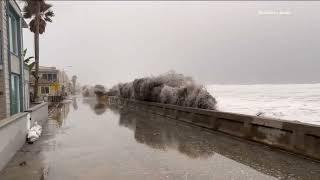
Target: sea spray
{"x":168,"y":88}
{"x":99,"y":90}
{"x":90,"y":91}
{"x":87,"y":91}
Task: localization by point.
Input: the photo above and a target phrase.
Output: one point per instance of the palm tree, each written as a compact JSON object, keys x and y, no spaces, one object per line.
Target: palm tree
{"x":74,"y":81}
{"x":39,"y":12}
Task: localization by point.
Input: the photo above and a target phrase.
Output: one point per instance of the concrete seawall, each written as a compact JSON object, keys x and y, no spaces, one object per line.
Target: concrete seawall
{"x":13,"y":131}
{"x":300,"y":138}
{"x":39,"y":113}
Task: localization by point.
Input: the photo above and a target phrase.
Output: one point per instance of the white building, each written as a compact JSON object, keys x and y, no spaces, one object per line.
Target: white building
{"x":52,"y":82}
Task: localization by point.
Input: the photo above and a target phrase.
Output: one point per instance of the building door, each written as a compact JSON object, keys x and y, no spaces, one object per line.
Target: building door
{"x":15,"y":94}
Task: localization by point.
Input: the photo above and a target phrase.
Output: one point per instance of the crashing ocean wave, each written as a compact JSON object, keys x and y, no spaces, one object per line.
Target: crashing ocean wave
{"x":299,"y":102}
{"x":168,"y":88}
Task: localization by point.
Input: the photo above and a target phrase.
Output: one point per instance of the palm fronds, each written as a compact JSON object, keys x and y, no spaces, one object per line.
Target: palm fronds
{"x":30,"y":12}
{"x":27,"y":60}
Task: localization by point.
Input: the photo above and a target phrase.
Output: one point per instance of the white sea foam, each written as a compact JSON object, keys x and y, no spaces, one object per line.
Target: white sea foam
{"x":300,"y":102}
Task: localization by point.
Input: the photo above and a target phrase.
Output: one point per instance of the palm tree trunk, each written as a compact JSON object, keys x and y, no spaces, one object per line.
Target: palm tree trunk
{"x":36,"y":52}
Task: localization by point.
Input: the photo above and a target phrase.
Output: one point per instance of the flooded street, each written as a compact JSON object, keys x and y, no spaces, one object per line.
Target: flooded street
{"x":85,"y":140}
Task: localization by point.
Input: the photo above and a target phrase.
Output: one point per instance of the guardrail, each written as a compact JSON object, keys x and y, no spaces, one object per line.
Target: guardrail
{"x":300,"y":138}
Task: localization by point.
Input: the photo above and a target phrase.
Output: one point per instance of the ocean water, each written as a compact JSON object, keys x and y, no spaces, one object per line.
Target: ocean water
{"x":296,"y":102}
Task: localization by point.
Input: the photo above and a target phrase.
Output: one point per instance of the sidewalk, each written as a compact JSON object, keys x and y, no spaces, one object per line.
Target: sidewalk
{"x":28,"y":163}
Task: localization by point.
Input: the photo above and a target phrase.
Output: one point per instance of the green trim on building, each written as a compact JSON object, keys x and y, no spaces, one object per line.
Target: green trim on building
{"x":12,"y":14}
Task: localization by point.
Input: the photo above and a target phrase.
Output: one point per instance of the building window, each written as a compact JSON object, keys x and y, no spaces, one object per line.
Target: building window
{"x":13,"y":34}
{"x":54,"y":77}
{"x":49,"y":77}
{"x":45,"y":90}
{"x":44,"y":76}
{"x":15,"y":94}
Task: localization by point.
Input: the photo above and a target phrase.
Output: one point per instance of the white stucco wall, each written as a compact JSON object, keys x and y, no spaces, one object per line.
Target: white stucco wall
{"x":13,"y":131}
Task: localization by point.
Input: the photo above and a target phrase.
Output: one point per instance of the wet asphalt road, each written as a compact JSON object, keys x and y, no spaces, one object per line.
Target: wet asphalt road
{"x":86,"y":140}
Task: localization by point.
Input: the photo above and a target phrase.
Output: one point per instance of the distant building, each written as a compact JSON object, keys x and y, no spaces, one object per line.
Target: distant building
{"x":13,"y":97}
{"x":52,"y":82}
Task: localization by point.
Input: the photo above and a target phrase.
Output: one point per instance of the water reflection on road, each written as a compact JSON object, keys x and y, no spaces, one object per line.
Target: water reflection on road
{"x":85,"y":139}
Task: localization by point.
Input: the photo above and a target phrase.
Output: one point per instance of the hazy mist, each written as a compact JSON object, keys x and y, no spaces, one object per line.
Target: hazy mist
{"x":214,"y":42}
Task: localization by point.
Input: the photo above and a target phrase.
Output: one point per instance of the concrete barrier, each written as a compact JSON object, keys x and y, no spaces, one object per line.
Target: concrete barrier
{"x":300,"y":138}
{"x":39,"y":113}
{"x":13,"y":131}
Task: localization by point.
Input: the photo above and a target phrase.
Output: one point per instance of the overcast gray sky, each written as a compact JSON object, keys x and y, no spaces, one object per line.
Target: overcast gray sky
{"x":215,"y":42}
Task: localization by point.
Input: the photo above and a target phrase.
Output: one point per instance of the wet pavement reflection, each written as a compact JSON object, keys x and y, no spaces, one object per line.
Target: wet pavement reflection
{"x":86,"y":139}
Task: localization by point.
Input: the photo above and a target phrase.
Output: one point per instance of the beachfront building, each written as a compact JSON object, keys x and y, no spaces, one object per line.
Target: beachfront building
{"x":13,"y":98}
{"x":52,"y":82}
